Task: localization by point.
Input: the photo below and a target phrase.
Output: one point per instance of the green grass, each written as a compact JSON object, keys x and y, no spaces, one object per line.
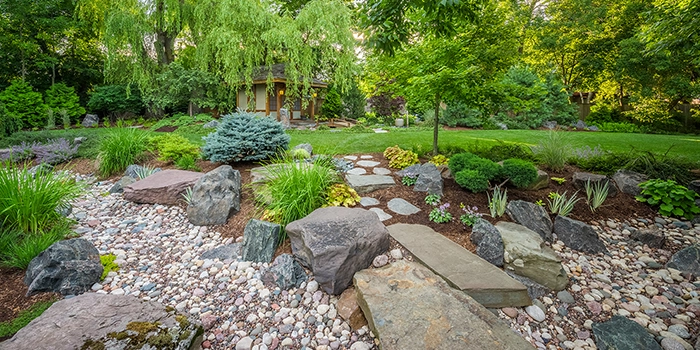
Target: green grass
{"x":9,"y":328}
{"x":121,"y":148}
{"x":685,"y":146}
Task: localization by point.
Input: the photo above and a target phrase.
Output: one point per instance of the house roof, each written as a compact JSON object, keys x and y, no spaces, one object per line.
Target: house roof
{"x":279,"y":76}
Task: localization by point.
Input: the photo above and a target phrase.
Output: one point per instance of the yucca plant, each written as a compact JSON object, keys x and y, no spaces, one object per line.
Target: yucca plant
{"x":498,"y":203}
{"x":121,"y":148}
{"x":187,"y":195}
{"x":596,"y":193}
{"x":144,"y":171}
{"x":559,"y":204}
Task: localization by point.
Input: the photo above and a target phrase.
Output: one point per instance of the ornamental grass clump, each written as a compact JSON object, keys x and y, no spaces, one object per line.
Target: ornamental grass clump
{"x":243,"y":136}
{"x":596,"y":193}
{"x":553,"y":151}
{"x":560,"y":204}
{"x":498,"y":202}
{"x":121,"y":148}
{"x":294,"y":190}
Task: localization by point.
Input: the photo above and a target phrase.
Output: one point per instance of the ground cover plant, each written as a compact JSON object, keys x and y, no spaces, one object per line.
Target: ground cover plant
{"x":177,"y":149}
{"x":9,"y":328}
{"x":671,"y":198}
{"x":120,"y":148}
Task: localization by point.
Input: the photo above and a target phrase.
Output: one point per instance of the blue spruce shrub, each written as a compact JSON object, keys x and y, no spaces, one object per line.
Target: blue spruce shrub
{"x":243,"y":136}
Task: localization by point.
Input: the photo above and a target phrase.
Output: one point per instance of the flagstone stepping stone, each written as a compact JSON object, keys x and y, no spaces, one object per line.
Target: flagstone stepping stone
{"x":367,"y":163}
{"x":402,"y":207}
{"x":380,"y":131}
{"x":368,"y":201}
{"x":407,"y":306}
{"x":350,"y":157}
{"x":381,"y":171}
{"x":383,"y":216}
{"x":487,"y":284}
{"x":366,"y":157}
{"x":357,"y":171}
{"x":368,"y":183}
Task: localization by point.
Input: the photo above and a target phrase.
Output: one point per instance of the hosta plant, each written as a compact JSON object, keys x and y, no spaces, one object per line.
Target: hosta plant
{"x":671,"y":198}
{"x":440,"y":215}
{"x":432,"y":199}
{"x":470,"y":216}
{"x":342,"y":195}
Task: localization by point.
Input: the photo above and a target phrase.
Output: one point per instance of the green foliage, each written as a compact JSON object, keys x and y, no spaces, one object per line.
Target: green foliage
{"x":432,"y":199}
{"x":553,"y":151}
{"x":440,"y":215}
{"x":354,"y":102}
{"x":51,"y":119}
{"x":108,"y":264}
{"x":661,"y":166}
{"x":400,"y":158}
{"x":439,"y":160}
{"x":121,"y":148}
{"x":671,"y":198}
{"x":29,"y":203}
{"x":458,"y":162}
{"x":8,"y":123}
{"x":472,"y":180}
{"x":558,"y":180}
{"x":9,"y":328}
{"x":622,"y":127}
{"x":18,"y":248}
{"x":61,"y":97}
{"x":243,"y":136}
{"x":470,"y":216}
{"x":503,"y":151}
{"x":596,"y":194}
{"x":144,"y":171}
{"x":487,"y":167}
{"x":299,"y":153}
{"x":460,"y":114}
{"x":409,"y":179}
{"x":115,"y":101}
{"x":498,"y":202}
{"x":182,"y":120}
{"x":23,"y":104}
{"x":342,"y":194}
{"x":559,"y":204}
{"x":332,"y":107}
{"x":174,"y":147}
{"x":294,"y":190}
{"x":520,"y":173}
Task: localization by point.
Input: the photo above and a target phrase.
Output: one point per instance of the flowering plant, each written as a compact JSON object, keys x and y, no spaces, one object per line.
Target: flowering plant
{"x":470,"y":216}
{"x":440,"y":214}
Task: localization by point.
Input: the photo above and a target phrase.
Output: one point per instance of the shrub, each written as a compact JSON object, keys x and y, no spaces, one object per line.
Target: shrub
{"x":460,"y":114}
{"x":63,"y":98}
{"x":31,"y":204}
{"x":439,"y":160}
{"x":55,"y":151}
{"x":391,"y":152}
{"x":121,"y":148}
{"x":671,"y":198}
{"x":243,"y":136}
{"x":299,"y":153}
{"x":661,"y":167}
{"x":294,"y":190}
{"x":400,"y":158}
{"x":503,"y":151}
{"x":472,"y":180}
{"x":115,"y":101}
{"x":332,"y":107}
{"x":485,"y":166}
{"x":173,"y":147}
{"x":108,"y":264}
{"x":458,"y":162}
{"x":8,"y":123}
{"x":342,"y":194}
{"x":187,"y":163}
{"x":520,"y":173}
{"x":552,"y":151}
{"x":23,"y":104}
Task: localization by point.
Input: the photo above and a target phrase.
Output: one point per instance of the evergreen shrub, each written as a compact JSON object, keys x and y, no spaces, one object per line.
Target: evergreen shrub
{"x":521,"y":173}
{"x":61,"y":97}
{"x":24,"y":104}
{"x":243,"y":136}
{"x":472,"y":180}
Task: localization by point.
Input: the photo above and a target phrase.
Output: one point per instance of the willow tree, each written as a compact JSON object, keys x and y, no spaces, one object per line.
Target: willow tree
{"x":231,"y":39}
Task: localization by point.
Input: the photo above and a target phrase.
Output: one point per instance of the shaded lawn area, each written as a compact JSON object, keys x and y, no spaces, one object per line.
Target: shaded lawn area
{"x":686,"y":146}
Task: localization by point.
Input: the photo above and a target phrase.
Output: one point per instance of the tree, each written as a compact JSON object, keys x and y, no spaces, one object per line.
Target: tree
{"x":63,"y":98}
{"x":24,"y":104}
{"x":332,"y":106}
{"x":354,"y":102}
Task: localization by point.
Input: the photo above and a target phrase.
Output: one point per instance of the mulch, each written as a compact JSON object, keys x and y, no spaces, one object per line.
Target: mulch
{"x":13,"y":292}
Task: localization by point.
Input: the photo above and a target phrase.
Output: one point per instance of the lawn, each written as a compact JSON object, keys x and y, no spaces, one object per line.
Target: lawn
{"x":341,"y":143}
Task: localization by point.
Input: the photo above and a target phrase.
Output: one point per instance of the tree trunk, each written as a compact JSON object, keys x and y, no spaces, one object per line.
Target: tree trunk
{"x":621,"y":98}
{"x":436,"y":125}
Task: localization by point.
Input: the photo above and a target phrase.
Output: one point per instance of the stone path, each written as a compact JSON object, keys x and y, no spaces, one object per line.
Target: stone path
{"x":487,"y":284}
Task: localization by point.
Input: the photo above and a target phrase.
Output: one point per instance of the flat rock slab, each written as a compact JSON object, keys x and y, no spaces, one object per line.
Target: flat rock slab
{"x":367,"y":163}
{"x":368,"y":183}
{"x":368,"y":201}
{"x":383,"y":216}
{"x":487,"y":284}
{"x":407,"y":306}
{"x":402,"y":207}
{"x":381,"y":171}
{"x":357,"y":171}
{"x":350,"y":157}
{"x":163,"y":187}
{"x":101,"y":321}
{"x":366,"y":157}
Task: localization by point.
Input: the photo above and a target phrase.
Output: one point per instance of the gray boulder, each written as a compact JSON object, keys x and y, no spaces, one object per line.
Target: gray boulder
{"x":552,"y":124}
{"x":305,"y":146}
{"x":532,"y":216}
{"x":260,"y":240}
{"x":541,"y":181}
{"x":224,"y":252}
{"x":216,"y":196}
{"x":488,"y":241}
{"x":593,"y":128}
{"x":118,"y":186}
{"x":534,"y":289}
{"x":581,"y":125}
{"x":102,"y":321}
{"x":621,"y":333}
{"x":67,"y":267}
{"x":284,"y":273}
{"x":336,"y":242}
{"x":686,"y":260}
{"x":578,"y":235}
{"x":695,"y":186}
{"x":652,"y":237}
{"x":628,"y":181}
{"x":429,"y":180}
{"x":211,"y":125}
{"x":90,"y":120}
{"x":527,"y":255}
{"x":580,"y":180}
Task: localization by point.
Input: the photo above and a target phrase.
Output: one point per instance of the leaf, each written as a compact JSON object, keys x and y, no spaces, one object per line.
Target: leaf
{"x":678,"y":212}
{"x":666,"y":207}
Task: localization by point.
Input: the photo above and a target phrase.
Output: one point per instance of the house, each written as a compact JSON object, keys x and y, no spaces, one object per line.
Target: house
{"x":264,"y":103}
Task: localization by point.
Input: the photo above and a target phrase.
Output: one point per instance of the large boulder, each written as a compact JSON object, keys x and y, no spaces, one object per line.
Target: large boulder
{"x":621,"y":333}
{"x":163,"y":187}
{"x":578,"y":235}
{"x":103,"y":321}
{"x":532,"y":216}
{"x":488,"y":241}
{"x":284,"y":273}
{"x":527,"y":255}
{"x":67,"y":267}
{"x":90,"y":120}
{"x":581,"y":178}
{"x":260,"y":240}
{"x":429,"y":178}
{"x":694,"y":186}
{"x":409,"y":307}
{"x":215,"y":197}
{"x":336,"y":242}
{"x":369,"y":183}
{"x":686,"y":260}
{"x":652,"y":237}
{"x":541,"y":181}
{"x":628,"y":181}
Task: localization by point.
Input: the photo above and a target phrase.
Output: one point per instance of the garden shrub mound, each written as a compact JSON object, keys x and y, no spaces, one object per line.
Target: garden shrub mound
{"x":476,"y":173}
